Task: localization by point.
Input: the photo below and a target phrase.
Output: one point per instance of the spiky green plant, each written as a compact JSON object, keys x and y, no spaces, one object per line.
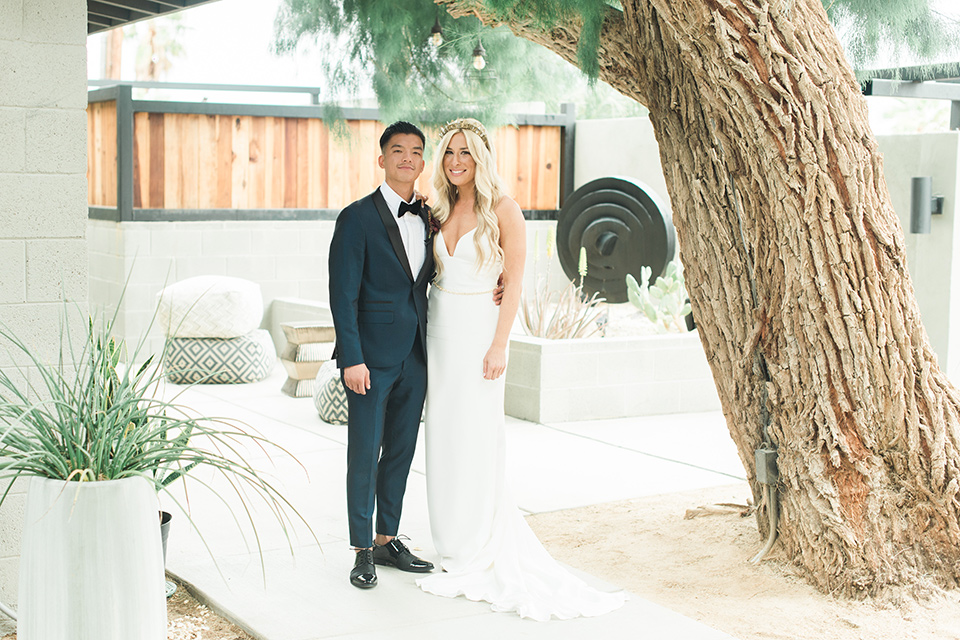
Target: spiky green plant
{"x":90,"y":418}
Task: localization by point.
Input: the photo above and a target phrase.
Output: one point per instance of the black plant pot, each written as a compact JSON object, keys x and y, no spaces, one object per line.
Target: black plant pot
{"x":165,"y":518}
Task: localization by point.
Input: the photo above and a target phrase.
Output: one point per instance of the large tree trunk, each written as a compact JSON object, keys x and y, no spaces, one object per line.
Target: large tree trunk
{"x":797,"y":275}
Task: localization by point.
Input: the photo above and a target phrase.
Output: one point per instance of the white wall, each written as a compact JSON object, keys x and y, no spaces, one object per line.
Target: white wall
{"x":933,"y":259}
{"x":43,"y":191}
{"x":618,"y":147}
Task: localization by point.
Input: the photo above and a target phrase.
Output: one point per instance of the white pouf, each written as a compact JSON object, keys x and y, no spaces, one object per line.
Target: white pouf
{"x":210,"y":307}
{"x":329,"y":396}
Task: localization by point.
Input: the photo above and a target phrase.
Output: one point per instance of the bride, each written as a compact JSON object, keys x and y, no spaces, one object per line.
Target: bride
{"x":487,"y":550}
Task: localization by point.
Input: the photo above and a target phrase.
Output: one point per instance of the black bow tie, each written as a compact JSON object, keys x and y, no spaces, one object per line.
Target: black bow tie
{"x":413,"y":208}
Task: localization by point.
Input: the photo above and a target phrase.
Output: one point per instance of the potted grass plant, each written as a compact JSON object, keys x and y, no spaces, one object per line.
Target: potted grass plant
{"x":97,"y":441}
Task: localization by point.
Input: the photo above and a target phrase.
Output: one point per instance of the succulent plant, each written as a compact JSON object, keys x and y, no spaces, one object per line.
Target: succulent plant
{"x":665,"y":304}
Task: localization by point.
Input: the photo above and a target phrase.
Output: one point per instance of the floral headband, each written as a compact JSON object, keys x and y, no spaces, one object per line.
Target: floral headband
{"x":468,"y":124}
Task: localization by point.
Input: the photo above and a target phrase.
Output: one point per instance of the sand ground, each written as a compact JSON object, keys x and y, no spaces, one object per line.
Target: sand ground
{"x":700,"y":567}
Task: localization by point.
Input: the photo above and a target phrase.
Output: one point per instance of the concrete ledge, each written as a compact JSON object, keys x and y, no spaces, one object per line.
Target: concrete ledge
{"x":294,"y":310}
{"x":599,"y":378}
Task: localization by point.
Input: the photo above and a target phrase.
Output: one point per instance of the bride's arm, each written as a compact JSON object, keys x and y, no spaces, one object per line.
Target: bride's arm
{"x":513,"y":242}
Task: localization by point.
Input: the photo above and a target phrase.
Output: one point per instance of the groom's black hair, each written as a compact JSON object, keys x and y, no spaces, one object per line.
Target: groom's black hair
{"x":400,"y":127}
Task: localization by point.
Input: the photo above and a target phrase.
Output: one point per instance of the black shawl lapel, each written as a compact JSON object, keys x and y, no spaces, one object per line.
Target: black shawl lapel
{"x":429,"y":267}
{"x":393,"y":231}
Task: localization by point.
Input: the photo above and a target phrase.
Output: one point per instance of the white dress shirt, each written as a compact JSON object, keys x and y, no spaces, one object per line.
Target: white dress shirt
{"x":412,"y":230}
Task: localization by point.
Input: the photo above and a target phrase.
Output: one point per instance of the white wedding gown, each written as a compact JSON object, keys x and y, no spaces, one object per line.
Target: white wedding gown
{"x":487,"y":550}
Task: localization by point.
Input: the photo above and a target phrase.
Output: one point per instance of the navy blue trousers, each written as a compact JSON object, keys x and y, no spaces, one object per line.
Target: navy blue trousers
{"x":382,"y":431}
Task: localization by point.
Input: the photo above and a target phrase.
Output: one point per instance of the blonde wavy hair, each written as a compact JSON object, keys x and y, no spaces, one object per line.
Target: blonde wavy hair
{"x":488,"y":190}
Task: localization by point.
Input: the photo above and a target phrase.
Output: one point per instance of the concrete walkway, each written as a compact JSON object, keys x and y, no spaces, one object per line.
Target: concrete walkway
{"x":307,"y":596}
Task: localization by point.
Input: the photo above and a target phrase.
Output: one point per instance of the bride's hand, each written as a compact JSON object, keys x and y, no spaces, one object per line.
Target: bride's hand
{"x":494,"y":363}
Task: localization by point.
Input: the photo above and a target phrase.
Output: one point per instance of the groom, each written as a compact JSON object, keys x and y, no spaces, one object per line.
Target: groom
{"x":381,"y":259}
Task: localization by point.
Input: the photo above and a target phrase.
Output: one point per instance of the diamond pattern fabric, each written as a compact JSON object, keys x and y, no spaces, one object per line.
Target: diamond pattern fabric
{"x":329,"y":395}
{"x":248,"y":358}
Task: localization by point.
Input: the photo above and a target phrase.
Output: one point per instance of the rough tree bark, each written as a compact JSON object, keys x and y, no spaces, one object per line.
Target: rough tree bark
{"x":797,"y":275}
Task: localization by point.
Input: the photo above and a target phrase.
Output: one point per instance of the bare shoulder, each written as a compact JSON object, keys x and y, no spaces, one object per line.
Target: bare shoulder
{"x":508,"y":212}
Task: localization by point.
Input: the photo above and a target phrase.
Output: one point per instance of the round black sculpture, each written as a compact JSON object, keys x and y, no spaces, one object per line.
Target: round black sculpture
{"x":623,"y":226}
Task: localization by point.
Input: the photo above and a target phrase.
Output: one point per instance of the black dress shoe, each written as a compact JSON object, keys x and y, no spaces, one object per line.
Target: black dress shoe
{"x":364,"y":574}
{"x":396,"y":554}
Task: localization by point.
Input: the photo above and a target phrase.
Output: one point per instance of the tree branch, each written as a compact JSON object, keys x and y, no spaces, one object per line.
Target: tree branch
{"x":618,"y":64}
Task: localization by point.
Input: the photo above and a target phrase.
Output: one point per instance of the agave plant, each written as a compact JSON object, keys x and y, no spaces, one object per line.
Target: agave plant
{"x":568,"y":313}
{"x":89,"y":418}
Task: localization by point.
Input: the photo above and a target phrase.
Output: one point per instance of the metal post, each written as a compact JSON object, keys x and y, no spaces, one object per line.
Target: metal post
{"x":569,"y":110}
{"x":124,"y":153}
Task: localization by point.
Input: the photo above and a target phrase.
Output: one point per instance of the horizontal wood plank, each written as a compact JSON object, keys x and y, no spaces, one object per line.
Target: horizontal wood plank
{"x":209,"y":161}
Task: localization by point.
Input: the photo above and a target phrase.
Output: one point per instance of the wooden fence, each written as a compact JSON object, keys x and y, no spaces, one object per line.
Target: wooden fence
{"x":174,"y":156}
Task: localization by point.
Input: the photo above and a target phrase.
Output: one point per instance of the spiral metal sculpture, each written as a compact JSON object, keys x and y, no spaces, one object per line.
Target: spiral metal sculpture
{"x":623,"y":226}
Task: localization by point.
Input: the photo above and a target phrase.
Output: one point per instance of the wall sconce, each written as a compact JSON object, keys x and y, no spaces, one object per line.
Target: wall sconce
{"x":922,"y":204}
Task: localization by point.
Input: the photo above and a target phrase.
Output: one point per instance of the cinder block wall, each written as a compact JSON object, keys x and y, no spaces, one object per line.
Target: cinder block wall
{"x":288,"y":259}
{"x":43,"y":193}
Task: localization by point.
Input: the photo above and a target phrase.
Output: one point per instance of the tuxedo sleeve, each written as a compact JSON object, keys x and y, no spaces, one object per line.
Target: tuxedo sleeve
{"x":347,"y":253}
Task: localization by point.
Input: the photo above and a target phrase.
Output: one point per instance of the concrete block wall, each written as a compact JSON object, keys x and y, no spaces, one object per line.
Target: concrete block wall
{"x":598,"y":378}
{"x":288,"y":259}
{"x":11,"y":526}
{"x":43,"y":194}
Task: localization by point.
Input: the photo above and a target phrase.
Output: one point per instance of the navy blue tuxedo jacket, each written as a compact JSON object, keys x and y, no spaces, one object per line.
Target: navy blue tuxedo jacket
{"x":378,"y":305}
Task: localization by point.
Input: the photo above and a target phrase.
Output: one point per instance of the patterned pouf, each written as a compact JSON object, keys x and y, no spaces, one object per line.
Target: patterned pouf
{"x":249,"y":358}
{"x":329,"y":396}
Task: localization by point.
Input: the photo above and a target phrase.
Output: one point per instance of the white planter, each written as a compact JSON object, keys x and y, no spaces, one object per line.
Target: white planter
{"x":91,"y":565}
{"x":599,"y":378}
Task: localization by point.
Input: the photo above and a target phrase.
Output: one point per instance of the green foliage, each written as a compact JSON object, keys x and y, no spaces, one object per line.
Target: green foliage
{"x":157,"y":45}
{"x":909,"y":115}
{"x":547,"y":13}
{"x":665,"y":303}
{"x":89,"y":418}
{"x":386,"y":45}
{"x":892,"y":32}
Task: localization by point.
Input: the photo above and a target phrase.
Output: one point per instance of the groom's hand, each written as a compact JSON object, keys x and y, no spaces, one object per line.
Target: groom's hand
{"x":357,"y":378}
{"x":498,"y":292}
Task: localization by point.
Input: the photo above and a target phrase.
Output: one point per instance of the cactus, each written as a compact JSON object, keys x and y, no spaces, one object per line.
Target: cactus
{"x":665,"y":304}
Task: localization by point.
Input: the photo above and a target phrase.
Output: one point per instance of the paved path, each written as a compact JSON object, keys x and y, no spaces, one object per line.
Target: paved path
{"x":306,"y":596}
